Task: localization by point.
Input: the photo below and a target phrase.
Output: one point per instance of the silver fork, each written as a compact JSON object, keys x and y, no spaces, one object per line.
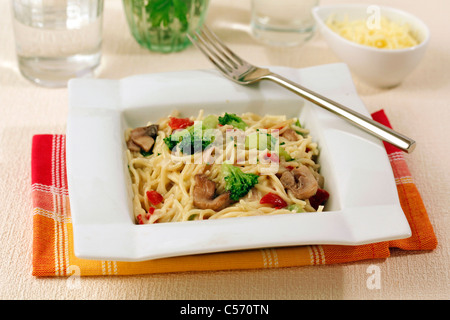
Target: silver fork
{"x":242,"y":72}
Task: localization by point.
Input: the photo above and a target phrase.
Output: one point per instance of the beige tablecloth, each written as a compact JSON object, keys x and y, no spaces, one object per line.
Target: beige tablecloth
{"x":419,"y":108}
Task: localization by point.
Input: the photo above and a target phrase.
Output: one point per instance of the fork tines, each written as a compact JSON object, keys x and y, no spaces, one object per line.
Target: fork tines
{"x":219,"y":54}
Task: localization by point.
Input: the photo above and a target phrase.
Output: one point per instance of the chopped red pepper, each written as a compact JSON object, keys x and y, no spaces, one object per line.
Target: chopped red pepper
{"x":273,"y":157}
{"x":273,"y":199}
{"x":180,"y":123}
{"x":319,"y":199}
{"x":154,"y":197}
{"x":151,"y":210}
{"x":139,"y":219}
{"x":290,"y":167}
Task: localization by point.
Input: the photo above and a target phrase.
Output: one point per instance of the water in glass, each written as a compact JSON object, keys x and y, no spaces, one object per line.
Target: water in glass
{"x":57,"y":40}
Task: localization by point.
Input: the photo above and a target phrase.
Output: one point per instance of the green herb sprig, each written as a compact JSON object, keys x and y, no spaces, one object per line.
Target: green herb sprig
{"x":163,"y":12}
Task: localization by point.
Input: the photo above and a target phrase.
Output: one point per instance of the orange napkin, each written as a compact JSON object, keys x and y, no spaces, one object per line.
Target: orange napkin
{"x":53,"y":239}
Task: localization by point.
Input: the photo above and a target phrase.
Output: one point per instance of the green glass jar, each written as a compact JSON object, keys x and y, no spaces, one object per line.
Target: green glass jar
{"x":162,"y":25}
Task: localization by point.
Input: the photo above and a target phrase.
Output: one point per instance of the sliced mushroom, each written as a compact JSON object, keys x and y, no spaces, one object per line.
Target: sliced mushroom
{"x":143,"y":138}
{"x":301,"y":182}
{"x":133,"y":146}
{"x":320,"y":179}
{"x":204,"y":194}
{"x":290,"y":135}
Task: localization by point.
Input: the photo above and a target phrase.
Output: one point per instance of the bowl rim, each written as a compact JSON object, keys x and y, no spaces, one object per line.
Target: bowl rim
{"x":418,"y":21}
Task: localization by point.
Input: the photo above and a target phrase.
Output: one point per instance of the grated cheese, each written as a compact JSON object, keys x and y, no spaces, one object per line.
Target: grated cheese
{"x":384,"y":35}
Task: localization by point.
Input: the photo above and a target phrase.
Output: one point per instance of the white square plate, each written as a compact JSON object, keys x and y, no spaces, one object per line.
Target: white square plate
{"x":363,"y":206}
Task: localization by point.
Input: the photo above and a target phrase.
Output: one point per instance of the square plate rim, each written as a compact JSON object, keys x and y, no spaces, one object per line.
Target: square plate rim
{"x":97,"y":239}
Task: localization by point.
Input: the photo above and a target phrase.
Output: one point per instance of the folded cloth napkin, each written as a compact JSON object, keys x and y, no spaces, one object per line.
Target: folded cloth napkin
{"x":53,"y":253}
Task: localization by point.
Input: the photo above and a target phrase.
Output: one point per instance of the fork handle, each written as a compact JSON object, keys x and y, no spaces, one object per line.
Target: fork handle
{"x":367,"y":124}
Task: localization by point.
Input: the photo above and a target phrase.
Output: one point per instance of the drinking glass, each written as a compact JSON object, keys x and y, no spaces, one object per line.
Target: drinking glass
{"x":57,"y":40}
{"x":283,"y":22}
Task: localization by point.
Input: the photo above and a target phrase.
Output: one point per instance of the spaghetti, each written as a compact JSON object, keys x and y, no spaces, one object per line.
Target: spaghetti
{"x":234,"y":172}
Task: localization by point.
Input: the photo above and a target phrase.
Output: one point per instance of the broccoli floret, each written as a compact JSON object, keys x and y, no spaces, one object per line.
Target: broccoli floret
{"x":233,"y":120}
{"x":170,"y":143}
{"x":188,"y":140}
{"x":237,"y":182}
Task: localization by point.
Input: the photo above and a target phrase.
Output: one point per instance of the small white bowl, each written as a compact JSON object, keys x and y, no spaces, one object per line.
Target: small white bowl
{"x":379,"y":67}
